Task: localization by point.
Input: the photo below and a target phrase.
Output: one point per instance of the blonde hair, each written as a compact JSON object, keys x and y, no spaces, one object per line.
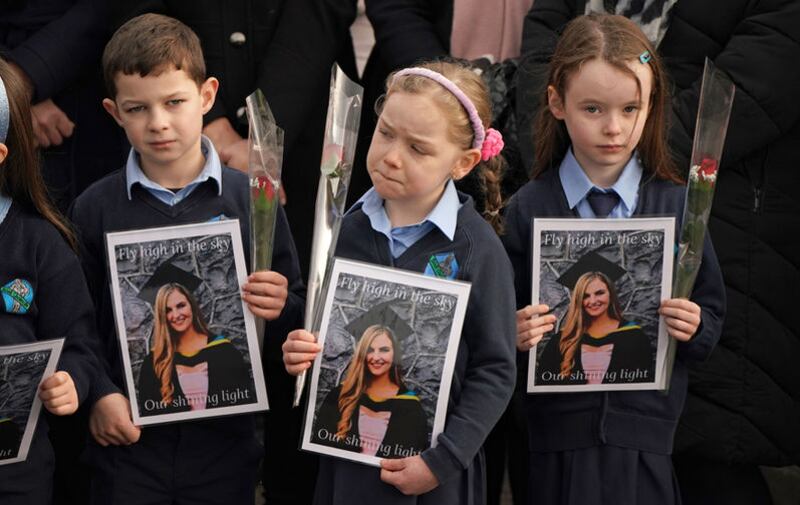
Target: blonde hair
{"x":355,"y":382}
{"x":460,"y":129}
{"x":165,"y":338}
{"x":576,"y":323}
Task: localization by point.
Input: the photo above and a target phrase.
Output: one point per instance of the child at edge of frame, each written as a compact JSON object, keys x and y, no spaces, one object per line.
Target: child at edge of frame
{"x":433,"y":128}
{"x":44,"y":295}
{"x":158,"y":93}
{"x":602,"y":152}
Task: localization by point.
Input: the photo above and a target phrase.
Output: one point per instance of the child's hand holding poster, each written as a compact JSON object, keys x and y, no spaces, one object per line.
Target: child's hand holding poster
{"x":22,"y":369}
{"x":381,"y":383}
{"x":604,"y":281}
{"x":188,"y":342}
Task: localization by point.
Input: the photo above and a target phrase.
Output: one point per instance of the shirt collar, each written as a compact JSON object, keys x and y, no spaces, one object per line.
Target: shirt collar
{"x":444,"y":215}
{"x":576,"y":183}
{"x":212,"y":169}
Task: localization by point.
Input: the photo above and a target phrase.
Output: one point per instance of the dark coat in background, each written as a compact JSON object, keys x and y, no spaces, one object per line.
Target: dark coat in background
{"x":58,"y":44}
{"x":743,"y":405}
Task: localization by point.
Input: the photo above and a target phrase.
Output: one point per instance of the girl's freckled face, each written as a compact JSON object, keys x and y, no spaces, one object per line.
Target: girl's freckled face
{"x":411,"y":156}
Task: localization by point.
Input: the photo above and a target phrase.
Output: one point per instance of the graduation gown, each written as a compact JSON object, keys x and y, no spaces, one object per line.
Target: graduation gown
{"x":227,"y":373}
{"x":10,"y":438}
{"x":631,"y":358}
{"x":407,"y":430}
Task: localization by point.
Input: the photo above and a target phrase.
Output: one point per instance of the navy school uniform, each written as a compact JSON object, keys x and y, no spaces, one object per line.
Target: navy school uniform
{"x":608,"y":447}
{"x":209,"y":461}
{"x":35,"y":252}
{"x":484,"y":374}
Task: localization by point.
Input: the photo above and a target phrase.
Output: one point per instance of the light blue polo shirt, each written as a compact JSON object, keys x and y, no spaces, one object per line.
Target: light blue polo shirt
{"x":577,"y":185}
{"x":443,"y":216}
{"x":212,"y":169}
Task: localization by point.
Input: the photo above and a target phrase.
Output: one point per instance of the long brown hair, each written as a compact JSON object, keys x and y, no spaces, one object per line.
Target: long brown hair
{"x":616,"y":40}
{"x":20,"y":175}
{"x":356,"y":380}
{"x":577,"y":323}
{"x":165,"y":339}
{"x":460,"y":131}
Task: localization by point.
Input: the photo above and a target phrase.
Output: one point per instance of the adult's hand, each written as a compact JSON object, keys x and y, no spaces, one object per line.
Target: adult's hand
{"x":50,"y":124}
{"x":221,"y":133}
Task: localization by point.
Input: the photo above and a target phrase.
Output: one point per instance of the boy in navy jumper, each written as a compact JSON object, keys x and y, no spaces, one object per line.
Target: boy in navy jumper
{"x":155,"y":75}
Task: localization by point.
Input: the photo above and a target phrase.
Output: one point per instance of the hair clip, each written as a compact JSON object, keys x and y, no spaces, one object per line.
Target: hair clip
{"x":645,"y":57}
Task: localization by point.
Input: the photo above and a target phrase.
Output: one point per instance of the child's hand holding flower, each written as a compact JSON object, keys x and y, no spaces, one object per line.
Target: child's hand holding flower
{"x":532,"y":323}
{"x":299,"y":351}
{"x":682,"y":317}
{"x":265,"y":294}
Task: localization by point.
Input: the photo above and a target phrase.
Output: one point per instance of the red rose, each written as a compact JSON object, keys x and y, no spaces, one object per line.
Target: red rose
{"x":264,"y":185}
{"x":708,"y":167}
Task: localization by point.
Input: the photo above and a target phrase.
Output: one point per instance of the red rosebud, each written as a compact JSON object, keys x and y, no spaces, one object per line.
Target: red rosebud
{"x":265,"y":185}
{"x":708,"y":167}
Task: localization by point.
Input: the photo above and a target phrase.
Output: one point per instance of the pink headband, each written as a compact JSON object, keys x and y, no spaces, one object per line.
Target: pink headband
{"x":490,"y":141}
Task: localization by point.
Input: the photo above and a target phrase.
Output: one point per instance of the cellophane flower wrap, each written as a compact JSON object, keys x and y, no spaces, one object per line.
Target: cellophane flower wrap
{"x":265,"y":142}
{"x":341,"y":133}
{"x":714,"y":110}
{"x":716,"y":100}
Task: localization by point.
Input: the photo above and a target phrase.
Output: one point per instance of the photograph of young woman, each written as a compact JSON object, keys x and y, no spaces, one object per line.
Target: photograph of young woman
{"x":188,"y":366}
{"x":596,"y":344}
{"x":372,"y":411}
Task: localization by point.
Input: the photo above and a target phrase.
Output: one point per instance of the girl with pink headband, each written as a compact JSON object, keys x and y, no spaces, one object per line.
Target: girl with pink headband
{"x":433,"y":129}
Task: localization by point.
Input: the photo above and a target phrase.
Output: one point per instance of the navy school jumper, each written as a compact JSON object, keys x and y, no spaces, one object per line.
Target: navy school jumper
{"x":484,"y":374}
{"x":640,"y":420}
{"x":643,"y":420}
{"x":33,"y":250}
{"x":209,"y":461}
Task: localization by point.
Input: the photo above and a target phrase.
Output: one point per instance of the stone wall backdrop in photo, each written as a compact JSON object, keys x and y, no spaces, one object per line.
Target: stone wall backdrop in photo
{"x":20,"y":375}
{"x":218,"y":294}
{"x":638,"y":290}
{"x":423,"y":351}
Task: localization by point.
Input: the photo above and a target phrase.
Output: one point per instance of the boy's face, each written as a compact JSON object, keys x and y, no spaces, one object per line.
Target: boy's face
{"x":163,"y":117}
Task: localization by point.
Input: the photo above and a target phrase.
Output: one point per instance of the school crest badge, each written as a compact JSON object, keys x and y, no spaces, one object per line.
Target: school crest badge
{"x":17,"y":296}
{"x":443,"y":266}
